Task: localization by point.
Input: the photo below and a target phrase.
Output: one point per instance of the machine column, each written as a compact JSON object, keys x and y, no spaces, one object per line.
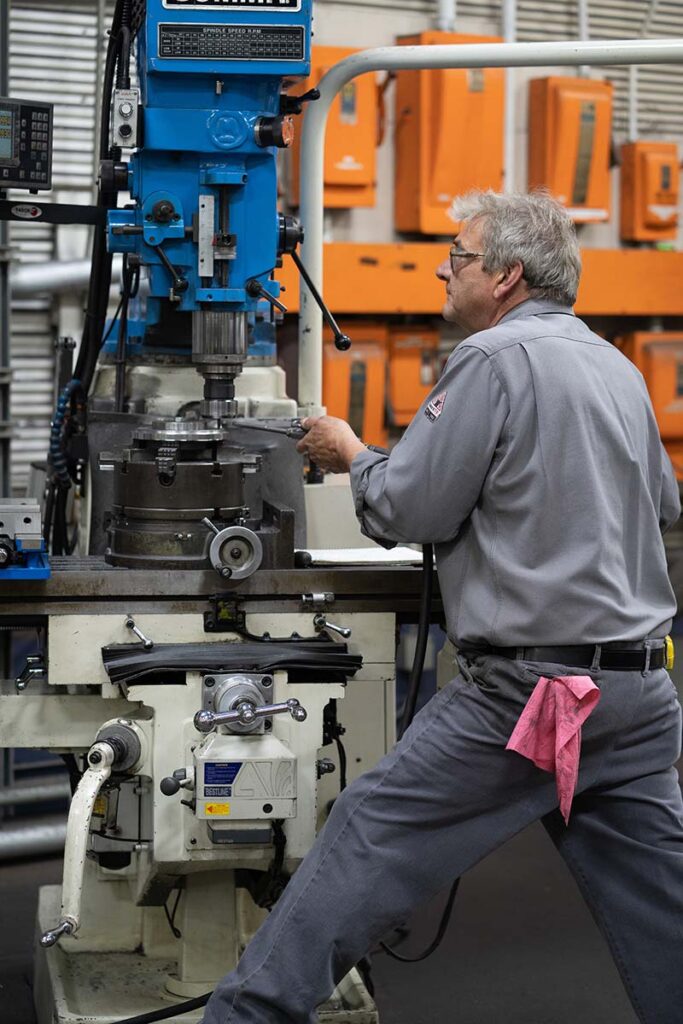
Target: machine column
{"x":208,"y":925}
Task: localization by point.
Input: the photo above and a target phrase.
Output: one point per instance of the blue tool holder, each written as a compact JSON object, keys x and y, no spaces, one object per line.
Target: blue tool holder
{"x":208,"y":72}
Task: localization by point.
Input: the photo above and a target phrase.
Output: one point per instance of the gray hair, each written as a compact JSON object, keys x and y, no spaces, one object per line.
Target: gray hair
{"x":534,"y":230}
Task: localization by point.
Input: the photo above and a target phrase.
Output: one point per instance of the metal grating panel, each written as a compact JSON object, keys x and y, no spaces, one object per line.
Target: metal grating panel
{"x":465,"y":8}
{"x":660,"y":112}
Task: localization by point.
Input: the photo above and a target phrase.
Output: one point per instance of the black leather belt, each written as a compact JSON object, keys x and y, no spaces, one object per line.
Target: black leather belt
{"x":617,"y":655}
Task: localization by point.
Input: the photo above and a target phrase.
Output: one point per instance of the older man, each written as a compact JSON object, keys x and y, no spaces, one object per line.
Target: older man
{"x":536,"y":469}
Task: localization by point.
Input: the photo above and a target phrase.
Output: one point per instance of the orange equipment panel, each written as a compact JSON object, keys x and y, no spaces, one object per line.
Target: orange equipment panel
{"x":350,"y":140}
{"x":649,"y":191}
{"x":570,"y":123}
{"x":413,"y":369}
{"x":659,"y":357}
{"x":354,"y":382}
{"x":449,"y":137}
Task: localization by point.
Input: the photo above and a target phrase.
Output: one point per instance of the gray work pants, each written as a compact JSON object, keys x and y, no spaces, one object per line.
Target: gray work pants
{"x":448,"y":794}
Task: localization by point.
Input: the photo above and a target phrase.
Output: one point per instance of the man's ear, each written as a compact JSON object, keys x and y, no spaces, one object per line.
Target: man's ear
{"x":507,"y":280}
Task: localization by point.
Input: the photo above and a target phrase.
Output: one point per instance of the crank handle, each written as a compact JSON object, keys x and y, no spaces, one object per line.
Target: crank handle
{"x":146,"y":642}
{"x":246,"y":712}
{"x":48,"y":939}
{"x":101,"y":758}
{"x":320,"y":622}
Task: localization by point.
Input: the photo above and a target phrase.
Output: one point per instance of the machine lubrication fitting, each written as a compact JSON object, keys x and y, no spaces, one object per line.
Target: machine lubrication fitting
{"x":187,"y":669}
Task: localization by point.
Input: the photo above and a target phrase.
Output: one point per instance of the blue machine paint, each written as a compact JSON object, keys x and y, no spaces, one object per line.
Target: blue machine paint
{"x":33,"y":565}
{"x":208,"y":72}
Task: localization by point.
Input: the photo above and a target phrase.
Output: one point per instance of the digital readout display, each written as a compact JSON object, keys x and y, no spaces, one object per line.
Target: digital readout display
{"x":6,"y":134}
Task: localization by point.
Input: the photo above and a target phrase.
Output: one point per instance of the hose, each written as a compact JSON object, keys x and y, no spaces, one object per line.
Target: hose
{"x":57,"y":454}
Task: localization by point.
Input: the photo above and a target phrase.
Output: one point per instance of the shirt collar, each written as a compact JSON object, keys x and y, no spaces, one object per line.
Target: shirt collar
{"x":535,"y":307}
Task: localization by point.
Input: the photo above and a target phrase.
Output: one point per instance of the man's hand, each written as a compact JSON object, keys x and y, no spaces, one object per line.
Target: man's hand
{"x":330,"y":443}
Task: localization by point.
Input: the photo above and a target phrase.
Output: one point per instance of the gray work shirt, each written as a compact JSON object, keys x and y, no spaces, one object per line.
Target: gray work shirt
{"x":536,"y":469}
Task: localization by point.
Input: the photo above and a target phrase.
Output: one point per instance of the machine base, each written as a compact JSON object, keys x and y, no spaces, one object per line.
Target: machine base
{"x":104,"y":988}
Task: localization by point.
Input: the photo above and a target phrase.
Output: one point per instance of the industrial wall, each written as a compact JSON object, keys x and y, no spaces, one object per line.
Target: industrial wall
{"x":44,"y":33}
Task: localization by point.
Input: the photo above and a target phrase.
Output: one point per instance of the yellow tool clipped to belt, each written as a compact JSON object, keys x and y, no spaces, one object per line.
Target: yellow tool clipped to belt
{"x":669,"y":653}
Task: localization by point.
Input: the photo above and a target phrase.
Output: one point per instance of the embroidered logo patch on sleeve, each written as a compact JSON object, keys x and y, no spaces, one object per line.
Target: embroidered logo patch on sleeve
{"x":434,"y":409}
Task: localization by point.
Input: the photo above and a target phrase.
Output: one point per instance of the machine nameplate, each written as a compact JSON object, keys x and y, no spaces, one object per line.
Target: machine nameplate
{"x":220,"y":773}
{"x":232,"y":42}
{"x":251,"y":5}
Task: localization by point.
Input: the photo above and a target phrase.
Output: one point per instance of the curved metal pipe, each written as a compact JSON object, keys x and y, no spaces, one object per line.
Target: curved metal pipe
{"x":47,"y":836}
{"x":44,"y":792}
{"x":396,"y":58}
{"x":54,"y":276}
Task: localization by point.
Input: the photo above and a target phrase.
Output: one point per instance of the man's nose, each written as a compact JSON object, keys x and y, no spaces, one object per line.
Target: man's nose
{"x":443,"y":271}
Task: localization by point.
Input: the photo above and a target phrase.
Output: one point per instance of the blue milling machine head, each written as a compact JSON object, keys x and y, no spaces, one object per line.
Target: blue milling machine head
{"x":202,"y":174}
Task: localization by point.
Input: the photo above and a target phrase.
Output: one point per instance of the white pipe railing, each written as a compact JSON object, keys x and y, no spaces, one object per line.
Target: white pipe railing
{"x":633,"y":103}
{"x":397,"y":58}
{"x":446,"y":15}
{"x":509,"y":35}
{"x":584,"y":32}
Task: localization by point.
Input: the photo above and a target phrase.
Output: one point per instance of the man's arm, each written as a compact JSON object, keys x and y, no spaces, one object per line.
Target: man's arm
{"x":669,"y":501}
{"x":425,"y":489}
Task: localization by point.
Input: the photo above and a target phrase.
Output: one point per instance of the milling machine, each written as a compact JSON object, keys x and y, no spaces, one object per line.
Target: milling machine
{"x":188,"y":669}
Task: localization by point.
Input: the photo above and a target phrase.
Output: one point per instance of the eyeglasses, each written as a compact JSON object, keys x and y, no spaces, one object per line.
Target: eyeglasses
{"x":455,"y":253}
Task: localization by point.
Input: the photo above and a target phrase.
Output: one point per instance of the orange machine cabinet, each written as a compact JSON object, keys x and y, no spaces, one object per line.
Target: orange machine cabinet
{"x":354,"y":382}
{"x":448,"y":139}
{"x":659,"y":357}
{"x":649,"y":191}
{"x":570,"y":123}
{"x":351,"y":137}
{"x":413,"y":370}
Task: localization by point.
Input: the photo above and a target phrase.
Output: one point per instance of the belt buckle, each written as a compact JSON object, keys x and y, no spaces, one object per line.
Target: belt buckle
{"x":669,"y":653}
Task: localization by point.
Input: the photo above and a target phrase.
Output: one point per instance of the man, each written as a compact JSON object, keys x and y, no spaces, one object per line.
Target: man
{"x":535,"y":467}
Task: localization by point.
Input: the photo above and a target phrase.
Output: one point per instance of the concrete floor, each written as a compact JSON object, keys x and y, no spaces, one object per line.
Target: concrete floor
{"x":521,"y":948}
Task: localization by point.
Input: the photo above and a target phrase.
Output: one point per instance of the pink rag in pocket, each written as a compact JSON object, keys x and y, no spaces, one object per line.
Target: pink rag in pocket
{"x":548,"y":730}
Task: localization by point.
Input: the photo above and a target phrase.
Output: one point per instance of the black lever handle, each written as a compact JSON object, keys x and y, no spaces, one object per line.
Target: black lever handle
{"x":294,"y":104}
{"x":179,"y":283}
{"x":256,"y":289}
{"x":341,"y":340}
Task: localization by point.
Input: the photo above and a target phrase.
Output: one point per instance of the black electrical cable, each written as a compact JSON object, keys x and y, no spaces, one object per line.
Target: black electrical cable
{"x":112,"y":322}
{"x":170,"y":915}
{"x":50,"y":490}
{"x":342,"y":763}
{"x":75,"y":774}
{"x":60,"y":539}
{"x":422,"y":637}
{"x":408,"y":715}
{"x":170,"y":1011}
{"x":119,"y":839}
{"x":436,"y":941}
{"x":130,"y":282}
{"x":100,"y":273}
{"x":123,"y":64}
